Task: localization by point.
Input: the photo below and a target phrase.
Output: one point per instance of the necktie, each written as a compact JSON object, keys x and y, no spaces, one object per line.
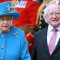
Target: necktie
{"x":52,"y":41}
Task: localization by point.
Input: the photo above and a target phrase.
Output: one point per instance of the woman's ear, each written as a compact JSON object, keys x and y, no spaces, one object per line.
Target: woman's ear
{"x":11,"y":23}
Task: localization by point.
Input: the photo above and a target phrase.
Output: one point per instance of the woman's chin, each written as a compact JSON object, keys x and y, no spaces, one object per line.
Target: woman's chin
{"x":5,"y":31}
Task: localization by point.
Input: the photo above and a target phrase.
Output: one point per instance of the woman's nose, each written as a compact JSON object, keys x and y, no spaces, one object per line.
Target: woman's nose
{"x":5,"y":21}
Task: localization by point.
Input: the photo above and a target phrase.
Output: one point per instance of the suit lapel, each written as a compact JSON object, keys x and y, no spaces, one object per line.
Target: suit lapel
{"x":58,"y":45}
{"x":44,"y":39}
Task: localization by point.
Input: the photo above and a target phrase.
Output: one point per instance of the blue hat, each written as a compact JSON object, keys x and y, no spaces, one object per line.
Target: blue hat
{"x":6,"y":8}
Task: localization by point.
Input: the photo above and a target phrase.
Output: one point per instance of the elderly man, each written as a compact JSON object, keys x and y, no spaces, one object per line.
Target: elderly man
{"x":13,"y":45}
{"x":47,"y":40}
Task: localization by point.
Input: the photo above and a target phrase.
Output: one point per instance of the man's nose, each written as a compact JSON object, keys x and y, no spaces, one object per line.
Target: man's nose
{"x":54,"y":15}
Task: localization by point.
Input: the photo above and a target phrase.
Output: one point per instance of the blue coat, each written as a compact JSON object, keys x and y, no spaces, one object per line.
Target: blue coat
{"x":13,"y":45}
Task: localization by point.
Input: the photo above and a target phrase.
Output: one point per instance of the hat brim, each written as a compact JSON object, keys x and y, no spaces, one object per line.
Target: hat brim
{"x":15,"y":15}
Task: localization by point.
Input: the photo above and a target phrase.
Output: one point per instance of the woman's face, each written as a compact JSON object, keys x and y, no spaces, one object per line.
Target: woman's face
{"x":5,"y":23}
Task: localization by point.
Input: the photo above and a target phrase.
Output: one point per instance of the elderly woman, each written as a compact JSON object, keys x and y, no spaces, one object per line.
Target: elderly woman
{"x":13,"y":45}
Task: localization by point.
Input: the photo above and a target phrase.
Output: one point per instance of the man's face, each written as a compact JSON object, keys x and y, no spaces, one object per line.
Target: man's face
{"x":5,"y":23}
{"x":54,"y":16}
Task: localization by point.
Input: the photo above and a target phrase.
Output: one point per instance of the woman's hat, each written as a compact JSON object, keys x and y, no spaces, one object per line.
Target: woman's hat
{"x":6,"y":8}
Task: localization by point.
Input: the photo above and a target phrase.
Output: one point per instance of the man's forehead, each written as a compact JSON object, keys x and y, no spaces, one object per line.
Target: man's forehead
{"x":54,"y":9}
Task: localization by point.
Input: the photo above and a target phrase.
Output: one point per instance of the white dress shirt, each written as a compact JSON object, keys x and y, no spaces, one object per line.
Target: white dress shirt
{"x":50,"y":32}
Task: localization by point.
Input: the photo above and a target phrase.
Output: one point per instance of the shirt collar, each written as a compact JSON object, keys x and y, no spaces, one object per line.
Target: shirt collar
{"x":50,"y":28}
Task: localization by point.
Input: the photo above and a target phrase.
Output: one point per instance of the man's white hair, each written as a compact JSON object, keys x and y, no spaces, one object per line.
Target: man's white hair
{"x":47,"y":9}
{"x":55,"y":1}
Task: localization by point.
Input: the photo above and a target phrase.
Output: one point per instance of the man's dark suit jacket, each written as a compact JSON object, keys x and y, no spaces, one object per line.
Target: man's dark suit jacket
{"x":41,"y":51}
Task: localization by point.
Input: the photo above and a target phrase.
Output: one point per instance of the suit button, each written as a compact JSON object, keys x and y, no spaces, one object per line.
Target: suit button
{"x":2,"y":47}
{"x":1,"y":58}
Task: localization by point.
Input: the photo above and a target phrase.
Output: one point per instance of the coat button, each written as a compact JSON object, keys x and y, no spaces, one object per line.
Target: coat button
{"x":1,"y":58}
{"x":3,"y":36}
{"x":2,"y":47}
